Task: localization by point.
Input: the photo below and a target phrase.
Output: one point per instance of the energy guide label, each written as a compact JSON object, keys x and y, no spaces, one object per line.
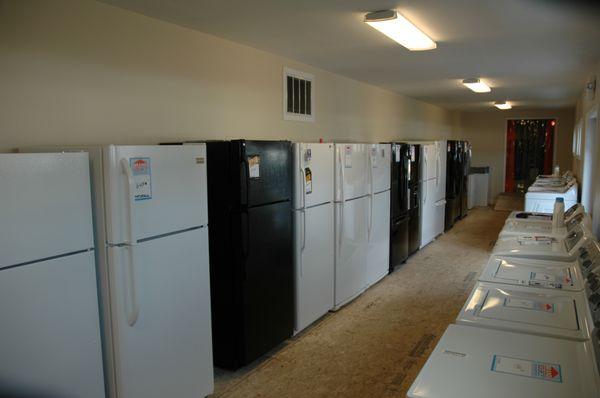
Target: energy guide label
{"x":527,"y":368}
{"x":142,"y":177}
{"x":348,"y":156}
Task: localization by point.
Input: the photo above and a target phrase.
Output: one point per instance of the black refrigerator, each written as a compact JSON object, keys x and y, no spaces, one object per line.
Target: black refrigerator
{"x":251,"y":248}
{"x":458,"y":162}
{"x":405,"y":228}
{"x":465,"y":167}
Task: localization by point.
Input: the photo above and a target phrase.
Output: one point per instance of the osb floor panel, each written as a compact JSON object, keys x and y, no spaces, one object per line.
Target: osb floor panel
{"x":376,"y":345}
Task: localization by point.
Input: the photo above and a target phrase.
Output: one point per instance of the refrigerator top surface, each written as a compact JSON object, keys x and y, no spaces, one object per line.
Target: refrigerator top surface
{"x":156,"y":189}
{"x":557,"y":275}
{"x":525,"y":309}
{"x":46,"y":206}
{"x":473,"y":362}
{"x":313,"y":174}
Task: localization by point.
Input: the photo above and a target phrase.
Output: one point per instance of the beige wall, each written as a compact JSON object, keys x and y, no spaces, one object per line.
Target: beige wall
{"x":586,"y":109}
{"x":82,"y":72}
{"x":487,"y":133}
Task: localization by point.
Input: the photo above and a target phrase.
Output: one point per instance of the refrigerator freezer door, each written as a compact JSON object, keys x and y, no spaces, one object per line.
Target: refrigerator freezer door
{"x":351,"y":220}
{"x":50,"y":345}
{"x":351,"y":172}
{"x":429,"y":162}
{"x":379,"y":156}
{"x":46,"y":206}
{"x":399,"y":181}
{"x":428,"y":214}
{"x":440,"y":183}
{"x":314,"y":262}
{"x":313,"y":174}
{"x":168,"y":351}
{"x":378,"y":252}
{"x":165,"y":190}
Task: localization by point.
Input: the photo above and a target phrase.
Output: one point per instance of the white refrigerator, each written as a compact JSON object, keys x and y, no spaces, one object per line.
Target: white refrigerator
{"x":151,"y":216}
{"x":378,"y":232}
{"x":313,"y":232}
{"x":50,"y":344}
{"x":433,"y":190}
{"x":352,"y":200}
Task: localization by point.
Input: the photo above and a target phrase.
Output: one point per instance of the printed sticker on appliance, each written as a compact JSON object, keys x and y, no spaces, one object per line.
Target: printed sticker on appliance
{"x":142,"y":177}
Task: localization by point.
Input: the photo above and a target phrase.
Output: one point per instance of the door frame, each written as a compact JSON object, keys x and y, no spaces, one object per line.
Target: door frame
{"x":592,"y":114}
{"x":554,"y":142}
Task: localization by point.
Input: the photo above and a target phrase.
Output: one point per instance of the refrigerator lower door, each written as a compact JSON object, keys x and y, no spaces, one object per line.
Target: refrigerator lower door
{"x":268,"y":279}
{"x":449,"y":213}
{"x":50,"y":340}
{"x":350,"y":249}
{"x":313,"y":251}
{"x":398,"y":242}
{"x":167,"y":351}
{"x":378,"y":252}
{"x":439,"y":210}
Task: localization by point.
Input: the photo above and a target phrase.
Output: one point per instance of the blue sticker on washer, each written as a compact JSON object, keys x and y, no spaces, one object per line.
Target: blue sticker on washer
{"x":142,"y":176}
{"x":527,"y":368}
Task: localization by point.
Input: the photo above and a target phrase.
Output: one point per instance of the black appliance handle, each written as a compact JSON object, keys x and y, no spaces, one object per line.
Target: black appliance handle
{"x":246,"y":167}
{"x":245,"y":241}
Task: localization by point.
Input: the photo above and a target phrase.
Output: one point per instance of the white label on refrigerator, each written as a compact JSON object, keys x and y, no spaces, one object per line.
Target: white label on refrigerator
{"x":142,"y":177}
{"x":308,"y":180}
{"x":254,"y":166}
{"x":535,"y":305}
{"x":527,"y":368}
{"x":397,"y":153}
{"x":374,"y":157}
{"x":348,"y":156}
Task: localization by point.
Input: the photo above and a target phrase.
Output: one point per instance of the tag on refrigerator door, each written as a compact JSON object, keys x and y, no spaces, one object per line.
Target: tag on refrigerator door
{"x":254,"y":166}
{"x":142,"y":177}
{"x":308,"y":180}
{"x":374,"y":157}
{"x":397,"y":153}
{"x":348,"y":157}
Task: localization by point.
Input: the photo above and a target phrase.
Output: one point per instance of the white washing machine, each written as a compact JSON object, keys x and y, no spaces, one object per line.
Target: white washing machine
{"x":518,"y":228}
{"x":588,"y":257}
{"x":528,"y":216}
{"x":559,"y":275}
{"x":543,"y":201}
{"x":543,"y":247}
{"x":544,"y":312}
{"x":473,"y":362}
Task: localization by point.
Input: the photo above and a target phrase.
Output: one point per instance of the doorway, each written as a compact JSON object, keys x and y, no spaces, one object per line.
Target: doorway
{"x":529,"y":152}
{"x":590,"y":187}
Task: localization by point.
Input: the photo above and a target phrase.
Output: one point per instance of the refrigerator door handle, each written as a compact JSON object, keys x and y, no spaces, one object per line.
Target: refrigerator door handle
{"x":370,"y":196}
{"x":246,"y":166}
{"x":303,"y":210}
{"x":133,"y":309}
{"x":342,"y":178}
{"x":437,"y":166}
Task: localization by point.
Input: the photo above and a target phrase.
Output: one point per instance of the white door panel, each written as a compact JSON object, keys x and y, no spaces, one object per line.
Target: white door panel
{"x":439,"y":216}
{"x":429,"y":162}
{"x":378,"y":254}
{"x":50,"y":340}
{"x":380,"y":162}
{"x":440,"y":185}
{"x":428,"y":214}
{"x":351,"y":172}
{"x":168,"y":350}
{"x":316,"y":160}
{"x":351,"y":249}
{"x":314,"y":263}
{"x":46,"y":206}
{"x":174,"y":183}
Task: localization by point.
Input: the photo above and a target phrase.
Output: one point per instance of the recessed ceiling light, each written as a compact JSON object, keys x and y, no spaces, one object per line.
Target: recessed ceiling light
{"x":400,"y":29}
{"x":477,"y":85}
{"x":503,"y":105}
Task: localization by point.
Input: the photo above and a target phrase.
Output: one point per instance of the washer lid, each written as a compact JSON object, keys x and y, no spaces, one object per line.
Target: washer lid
{"x":530,"y":310}
{"x":534,"y":273}
{"x":472,"y":362}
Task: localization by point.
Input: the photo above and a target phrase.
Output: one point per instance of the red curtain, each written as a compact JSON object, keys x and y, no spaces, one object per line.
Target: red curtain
{"x":511,"y":137}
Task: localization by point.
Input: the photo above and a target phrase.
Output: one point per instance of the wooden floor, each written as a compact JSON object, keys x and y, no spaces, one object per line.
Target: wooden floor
{"x":376,"y":345}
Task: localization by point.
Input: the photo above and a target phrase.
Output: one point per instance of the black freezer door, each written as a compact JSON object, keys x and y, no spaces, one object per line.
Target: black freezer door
{"x":399,"y":181}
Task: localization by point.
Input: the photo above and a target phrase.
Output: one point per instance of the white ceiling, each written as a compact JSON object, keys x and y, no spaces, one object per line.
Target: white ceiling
{"x":535,"y":53}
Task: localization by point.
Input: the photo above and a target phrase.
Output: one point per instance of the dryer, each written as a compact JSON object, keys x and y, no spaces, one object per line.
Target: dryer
{"x":473,"y":362}
{"x":543,"y":247}
{"x":518,"y":228}
{"x":528,"y":216}
{"x":544,"y":312}
{"x":558,"y":275}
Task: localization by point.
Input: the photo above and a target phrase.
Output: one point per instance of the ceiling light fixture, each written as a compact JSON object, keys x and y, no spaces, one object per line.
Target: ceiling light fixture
{"x":504,"y":105}
{"x":477,"y":85}
{"x":400,"y":29}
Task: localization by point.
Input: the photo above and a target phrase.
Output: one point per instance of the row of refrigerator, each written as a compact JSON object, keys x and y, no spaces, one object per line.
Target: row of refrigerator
{"x":137,"y":267}
{"x":529,"y":328}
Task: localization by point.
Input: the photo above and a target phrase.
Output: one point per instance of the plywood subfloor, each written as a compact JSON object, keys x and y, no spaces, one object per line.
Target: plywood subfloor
{"x":376,"y":345}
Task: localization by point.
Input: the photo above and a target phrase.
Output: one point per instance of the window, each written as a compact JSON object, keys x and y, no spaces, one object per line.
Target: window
{"x":577,"y":135}
{"x":298,"y":96}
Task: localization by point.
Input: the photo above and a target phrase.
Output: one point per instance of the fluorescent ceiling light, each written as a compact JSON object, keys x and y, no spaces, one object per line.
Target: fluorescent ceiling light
{"x":503,"y":105}
{"x":399,"y":29}
{"x":477,"y":85}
